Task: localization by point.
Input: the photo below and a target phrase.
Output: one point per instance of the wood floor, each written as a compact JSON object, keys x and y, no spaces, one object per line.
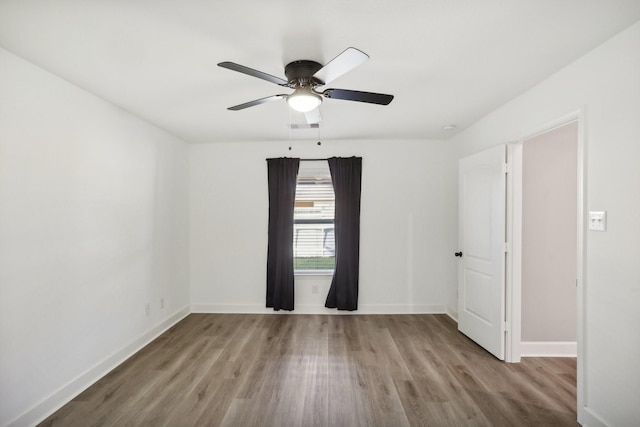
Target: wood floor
{"x":308,"y":370}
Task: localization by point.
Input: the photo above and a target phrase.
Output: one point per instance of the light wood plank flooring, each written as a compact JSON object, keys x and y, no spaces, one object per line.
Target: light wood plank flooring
{"x":308,"y":370}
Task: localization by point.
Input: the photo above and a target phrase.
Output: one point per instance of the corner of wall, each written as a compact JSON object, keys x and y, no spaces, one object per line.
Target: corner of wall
{"x":76,"y":386}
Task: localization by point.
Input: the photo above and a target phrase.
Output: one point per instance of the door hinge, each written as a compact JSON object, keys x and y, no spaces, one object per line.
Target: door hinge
{"x":507,"y":327}
{"x":507,"y":247}
{"x":505,"y":168}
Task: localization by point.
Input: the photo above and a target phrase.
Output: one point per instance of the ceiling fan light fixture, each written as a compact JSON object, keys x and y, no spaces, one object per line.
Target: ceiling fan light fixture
{"x":304,"y":100}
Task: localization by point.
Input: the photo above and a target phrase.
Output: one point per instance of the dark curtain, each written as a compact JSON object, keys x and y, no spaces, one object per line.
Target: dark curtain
{"x":346,"y":174}
{"x":282,"y":177}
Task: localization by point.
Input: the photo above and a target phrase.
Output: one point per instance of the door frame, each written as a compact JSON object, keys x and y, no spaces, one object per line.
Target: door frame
{"x":513,"y":307}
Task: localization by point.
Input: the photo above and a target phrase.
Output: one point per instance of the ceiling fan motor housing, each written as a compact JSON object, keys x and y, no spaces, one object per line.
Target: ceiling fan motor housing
{"x":300,"y":73}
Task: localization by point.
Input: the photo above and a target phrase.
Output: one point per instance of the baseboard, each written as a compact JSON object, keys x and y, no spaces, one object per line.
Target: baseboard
{"x":401,"y":309}
{"x":61,"y":397}
{"x":315,"y":309}
{"x":452,"y":314}
{"x":548,"y":349}
{"x":589,"y":419}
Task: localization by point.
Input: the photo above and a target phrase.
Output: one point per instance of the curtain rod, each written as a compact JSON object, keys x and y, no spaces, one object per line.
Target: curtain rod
{"x":311,"y":160}
{"x":306,"y":160}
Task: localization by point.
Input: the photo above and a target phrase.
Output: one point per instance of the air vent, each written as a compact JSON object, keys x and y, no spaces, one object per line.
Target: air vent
{"x":305,"y":126}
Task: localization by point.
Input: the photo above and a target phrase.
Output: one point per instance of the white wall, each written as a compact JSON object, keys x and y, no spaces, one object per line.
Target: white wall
{"x":93,"y":226}
{"x":549,"y":240}
{"x":606,"y":85}
{"x":407,"y":225}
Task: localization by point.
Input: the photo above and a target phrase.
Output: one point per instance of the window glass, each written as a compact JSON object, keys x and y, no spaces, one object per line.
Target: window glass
{"x":313,"y":229}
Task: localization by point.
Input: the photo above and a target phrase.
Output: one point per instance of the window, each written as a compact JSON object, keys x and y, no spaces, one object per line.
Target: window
{"x":313,"y":229}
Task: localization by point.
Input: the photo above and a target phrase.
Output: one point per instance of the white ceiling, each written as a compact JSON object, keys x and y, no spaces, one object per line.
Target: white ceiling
{"x":446,"y":61}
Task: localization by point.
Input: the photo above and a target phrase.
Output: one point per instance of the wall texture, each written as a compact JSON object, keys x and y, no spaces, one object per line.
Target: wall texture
{"x":604,"y":84}
{"x":549,"y":240}
{"x":407,"y":225}
{"x":93,"y":227}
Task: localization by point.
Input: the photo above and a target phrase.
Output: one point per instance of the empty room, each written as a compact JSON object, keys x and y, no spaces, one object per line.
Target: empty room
{"x":295,"y":213}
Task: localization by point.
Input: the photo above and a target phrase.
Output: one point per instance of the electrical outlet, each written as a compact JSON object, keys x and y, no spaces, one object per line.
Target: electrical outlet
{"x":314,"y":288}
{"x":162,"y":302}
{"x":147,"y":309}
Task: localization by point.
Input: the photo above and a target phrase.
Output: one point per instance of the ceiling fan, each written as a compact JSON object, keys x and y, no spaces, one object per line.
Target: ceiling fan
{"x":305,"y":76}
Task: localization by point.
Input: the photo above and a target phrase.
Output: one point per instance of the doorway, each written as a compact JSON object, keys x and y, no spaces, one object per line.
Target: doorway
{"x":561,"y":176}
{"x":549,"y":243}
{"x":515,"y":237}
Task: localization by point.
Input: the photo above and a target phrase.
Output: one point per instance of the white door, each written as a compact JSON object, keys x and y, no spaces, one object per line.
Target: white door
{"x":481,"y":234}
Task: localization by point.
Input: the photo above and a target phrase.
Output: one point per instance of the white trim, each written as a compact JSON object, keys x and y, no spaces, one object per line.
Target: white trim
{"x":318,"y":309}
{"x":590,"y":419}
{"x":581,"y":369}
{"x":513,"y":283}
{"x":549,"y":349}
{"x":551,"y":125}
{"x":452,"y":314}
{"x":76,"y":386}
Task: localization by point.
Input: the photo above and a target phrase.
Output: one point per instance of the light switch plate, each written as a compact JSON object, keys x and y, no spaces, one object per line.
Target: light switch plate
{"x":598,"y":220}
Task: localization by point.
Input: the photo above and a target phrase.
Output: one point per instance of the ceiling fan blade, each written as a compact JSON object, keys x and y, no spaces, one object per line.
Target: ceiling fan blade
{"x":251,"y":72}
{"x":341,"y":64}
{"x":355,"y":95}
{"x":313,"y":117}
{"x":256,"y":102}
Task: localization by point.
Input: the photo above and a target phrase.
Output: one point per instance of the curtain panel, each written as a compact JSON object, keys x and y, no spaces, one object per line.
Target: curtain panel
{"x":282,"y":177}
{"x":346,"y":174}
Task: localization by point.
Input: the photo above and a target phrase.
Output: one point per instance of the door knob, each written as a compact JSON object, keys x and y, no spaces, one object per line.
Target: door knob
{"x":458,"y":254}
